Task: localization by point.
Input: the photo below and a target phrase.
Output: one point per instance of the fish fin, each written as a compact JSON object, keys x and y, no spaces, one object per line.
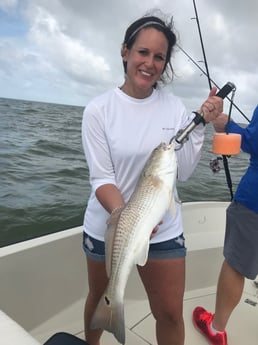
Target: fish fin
{"x":142,"y":256}
{"x":115,"y":215}
{"x":109,"y":316}
{"x":109,"y":237}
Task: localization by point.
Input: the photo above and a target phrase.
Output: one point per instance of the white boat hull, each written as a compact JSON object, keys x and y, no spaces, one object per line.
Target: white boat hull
{"x":43,"y":284}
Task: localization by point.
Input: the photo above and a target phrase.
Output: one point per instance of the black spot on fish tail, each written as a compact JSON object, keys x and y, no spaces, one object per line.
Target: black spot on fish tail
{"x":109,"y":315}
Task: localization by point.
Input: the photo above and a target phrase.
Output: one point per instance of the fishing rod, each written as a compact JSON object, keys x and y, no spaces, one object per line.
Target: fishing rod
{"x":182,"y":135}
{"x":213,"y":82}
{"x":202,"y":45}
{"x":224,"y":157}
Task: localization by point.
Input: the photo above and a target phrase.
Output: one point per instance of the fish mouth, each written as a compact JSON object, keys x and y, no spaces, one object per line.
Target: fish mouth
{"x":166,"y":146}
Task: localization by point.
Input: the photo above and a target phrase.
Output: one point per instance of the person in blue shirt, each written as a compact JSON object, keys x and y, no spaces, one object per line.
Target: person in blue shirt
{"x":241,"y":238}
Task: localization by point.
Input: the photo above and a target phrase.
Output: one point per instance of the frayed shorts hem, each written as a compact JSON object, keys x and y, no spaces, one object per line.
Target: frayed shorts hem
{"x":170,"y":249}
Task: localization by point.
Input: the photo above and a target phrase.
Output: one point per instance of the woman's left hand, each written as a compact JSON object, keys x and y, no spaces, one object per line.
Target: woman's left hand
{"x":212,"y":107}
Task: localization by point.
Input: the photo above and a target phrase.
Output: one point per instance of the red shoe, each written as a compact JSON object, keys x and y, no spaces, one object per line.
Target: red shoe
{"x":202,"y":320}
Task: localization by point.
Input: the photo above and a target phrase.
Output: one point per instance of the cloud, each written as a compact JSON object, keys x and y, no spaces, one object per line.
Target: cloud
{"x":68,"y":54}
{"x":68,"y":51}
{"x":6,"y":5}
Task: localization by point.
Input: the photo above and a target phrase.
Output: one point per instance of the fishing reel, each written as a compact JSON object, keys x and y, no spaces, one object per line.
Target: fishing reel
{"x":215,"y":164}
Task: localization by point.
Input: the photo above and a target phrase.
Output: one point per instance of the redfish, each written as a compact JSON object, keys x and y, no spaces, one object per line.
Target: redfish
{"x":128,"y":234}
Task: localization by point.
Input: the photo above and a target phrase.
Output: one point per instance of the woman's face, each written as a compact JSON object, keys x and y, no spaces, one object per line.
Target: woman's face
{"x":146,"y":60}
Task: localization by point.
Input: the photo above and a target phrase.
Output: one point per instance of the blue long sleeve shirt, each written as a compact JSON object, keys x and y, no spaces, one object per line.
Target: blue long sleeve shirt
{"x":247,"y":190}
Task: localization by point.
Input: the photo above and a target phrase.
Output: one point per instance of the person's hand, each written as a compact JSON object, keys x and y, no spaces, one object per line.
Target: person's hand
{"x":212,"y":107}
{"x":220,"y":122}
{"x":155,"y":229}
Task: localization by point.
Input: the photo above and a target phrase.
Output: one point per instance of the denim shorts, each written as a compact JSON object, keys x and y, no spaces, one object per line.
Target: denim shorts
{"x":171,"y":249}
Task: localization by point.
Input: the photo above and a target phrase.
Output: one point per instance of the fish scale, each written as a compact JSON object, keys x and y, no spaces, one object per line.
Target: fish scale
{"x":127,"y":236}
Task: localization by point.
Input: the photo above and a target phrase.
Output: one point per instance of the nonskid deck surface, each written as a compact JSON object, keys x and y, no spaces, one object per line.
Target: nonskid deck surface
{"x":140,"y":325}
{"x":242,"y":328}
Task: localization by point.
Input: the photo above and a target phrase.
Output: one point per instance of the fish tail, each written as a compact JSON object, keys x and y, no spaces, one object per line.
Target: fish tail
{"x":109,"y":315}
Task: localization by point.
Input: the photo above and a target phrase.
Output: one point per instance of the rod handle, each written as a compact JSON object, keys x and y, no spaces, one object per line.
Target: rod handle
{"x":226,"y":90}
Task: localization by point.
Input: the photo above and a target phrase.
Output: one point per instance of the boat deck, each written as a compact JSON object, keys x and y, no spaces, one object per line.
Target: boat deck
{"x":140,"y":325}
{"x":43,"y":285}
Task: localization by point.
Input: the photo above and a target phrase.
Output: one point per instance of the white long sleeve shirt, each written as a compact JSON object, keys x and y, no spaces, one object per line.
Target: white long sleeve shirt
{"x":118,"y":135}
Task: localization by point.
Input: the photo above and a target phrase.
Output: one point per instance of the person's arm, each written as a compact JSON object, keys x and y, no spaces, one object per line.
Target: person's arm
{"x":190,"y":153}
{"x":249,"y":140}
{"x":110,"y":197}
{"x":98,"y":157}
{"x":249,"y":134}
{"x":220,"y":122}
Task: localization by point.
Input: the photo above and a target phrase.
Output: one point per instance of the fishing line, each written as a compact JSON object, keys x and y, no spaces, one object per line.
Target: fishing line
{"x":224,"y":157}
{"x":213,"y":82}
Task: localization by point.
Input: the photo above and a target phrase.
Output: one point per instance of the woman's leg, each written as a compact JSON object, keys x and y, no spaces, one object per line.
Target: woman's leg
{"x":97,"y":280}
{"x":164,"y":282}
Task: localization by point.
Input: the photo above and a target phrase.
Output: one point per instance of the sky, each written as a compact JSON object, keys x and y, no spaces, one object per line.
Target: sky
{"x":67,"y":52}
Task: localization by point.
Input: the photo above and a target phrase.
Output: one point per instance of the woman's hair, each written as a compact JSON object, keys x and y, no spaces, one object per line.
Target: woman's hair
{"x":160,"y":25}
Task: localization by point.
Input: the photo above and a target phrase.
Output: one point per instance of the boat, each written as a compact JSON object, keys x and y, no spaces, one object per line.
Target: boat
{"x":43,"y":286}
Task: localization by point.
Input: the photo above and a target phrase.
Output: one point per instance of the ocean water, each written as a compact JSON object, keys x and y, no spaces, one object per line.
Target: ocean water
{"x":44,"y":177}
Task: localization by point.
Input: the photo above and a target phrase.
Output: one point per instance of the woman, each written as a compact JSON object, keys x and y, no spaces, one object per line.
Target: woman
{"x":119,"y":131}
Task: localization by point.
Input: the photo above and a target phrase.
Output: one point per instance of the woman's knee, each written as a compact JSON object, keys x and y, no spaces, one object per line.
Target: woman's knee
{"x":168,"y":312}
